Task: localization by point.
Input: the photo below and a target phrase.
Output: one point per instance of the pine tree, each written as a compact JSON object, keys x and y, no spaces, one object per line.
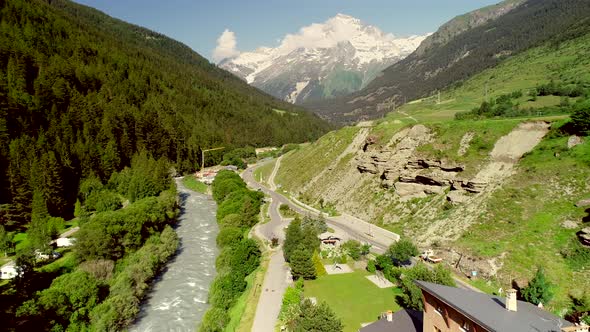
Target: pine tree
{"x":302,"y":264}
{"x":317,"y":318}
{"x":539,"y":289}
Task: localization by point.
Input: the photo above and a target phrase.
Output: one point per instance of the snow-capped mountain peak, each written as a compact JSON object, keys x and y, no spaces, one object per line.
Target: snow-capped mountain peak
{"x":321,"y":54}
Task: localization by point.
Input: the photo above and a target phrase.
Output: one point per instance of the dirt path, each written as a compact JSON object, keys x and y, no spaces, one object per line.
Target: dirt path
{"x":408,"y":116}
{"x":503,"y":158}
{"x":273,"y":174}
{"x":509,"y":149}
{"x":69,"y":232}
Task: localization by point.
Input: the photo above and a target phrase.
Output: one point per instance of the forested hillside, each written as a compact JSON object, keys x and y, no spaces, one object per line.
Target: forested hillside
{"x":455,"y":58}
{"x":80,"y":93}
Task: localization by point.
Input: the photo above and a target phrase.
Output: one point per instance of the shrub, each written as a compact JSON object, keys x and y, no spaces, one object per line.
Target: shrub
{"x":411,"y":294}
{"x":581,"y":118}
{"x":225,"y":289}
{"x":401,"y":251}
{"x":318,"y":318}
{"x":214,"y":320}
{"x":320,"y":270}
{"x":371,"y":266}
{"x":229,"y":236}
{"x":353,"y":249}
{"x":538,"y":290}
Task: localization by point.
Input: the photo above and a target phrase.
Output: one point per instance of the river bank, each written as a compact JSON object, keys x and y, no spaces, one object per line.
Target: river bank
{"x":178,"y":299}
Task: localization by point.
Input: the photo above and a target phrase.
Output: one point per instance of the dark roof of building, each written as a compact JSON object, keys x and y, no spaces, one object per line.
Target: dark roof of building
{"x":405,"y":320}
{"x":490,"y":312}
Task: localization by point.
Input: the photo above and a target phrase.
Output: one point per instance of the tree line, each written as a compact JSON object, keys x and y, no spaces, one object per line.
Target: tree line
{"x":238,"y":210}
{"x":574,"y":99}
{"x":81,"y":93}
{"x":117,"y":253}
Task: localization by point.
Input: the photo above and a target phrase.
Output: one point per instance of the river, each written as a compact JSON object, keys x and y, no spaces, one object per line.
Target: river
{"x":178,"y":298}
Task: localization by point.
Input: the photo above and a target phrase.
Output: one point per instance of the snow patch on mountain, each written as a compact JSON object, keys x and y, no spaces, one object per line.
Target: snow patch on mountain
{"x":342,"y":43}
{"x":299,"y":86}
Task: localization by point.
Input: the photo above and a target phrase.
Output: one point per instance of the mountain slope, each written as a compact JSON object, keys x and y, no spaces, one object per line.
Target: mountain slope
{"x":81,"y":93}
{"x":458,"y":51}
{"x":456,"y":185}
{"x":343,"y":56}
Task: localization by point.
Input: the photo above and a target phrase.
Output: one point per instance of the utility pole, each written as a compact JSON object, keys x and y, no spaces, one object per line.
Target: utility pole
{"x":203,"y":155}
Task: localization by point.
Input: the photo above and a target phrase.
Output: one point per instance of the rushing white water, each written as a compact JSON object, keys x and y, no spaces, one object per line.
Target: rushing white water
{"x":178,"y":298}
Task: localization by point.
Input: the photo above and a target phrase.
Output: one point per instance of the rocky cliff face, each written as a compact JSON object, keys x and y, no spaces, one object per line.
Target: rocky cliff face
{"x":400,"y":167}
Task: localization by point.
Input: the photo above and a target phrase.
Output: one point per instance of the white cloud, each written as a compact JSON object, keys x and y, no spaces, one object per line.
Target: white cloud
{"x":226,"y":46}
{"x":328,"y":34}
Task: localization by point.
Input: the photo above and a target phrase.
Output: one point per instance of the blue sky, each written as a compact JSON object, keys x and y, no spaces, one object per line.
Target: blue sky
{"x":198,"y":23}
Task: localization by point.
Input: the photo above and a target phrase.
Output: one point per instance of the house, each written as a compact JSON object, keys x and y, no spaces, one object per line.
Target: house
{"x":65,"y":241}
{"x":8,"y":271}
{"x":450,"y":309}
{"x":403,"y":320}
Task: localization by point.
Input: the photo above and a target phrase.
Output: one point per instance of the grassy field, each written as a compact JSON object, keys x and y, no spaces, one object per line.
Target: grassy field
{"x":66,"y":263}
{"x":262,"y":173}
{"x":193,"y":184}
{"x":353,"y":297}
{"x":21,"y":240}
{"x":522,"y":72}
{"x":525,"y":218}
{"x":298,"y":167}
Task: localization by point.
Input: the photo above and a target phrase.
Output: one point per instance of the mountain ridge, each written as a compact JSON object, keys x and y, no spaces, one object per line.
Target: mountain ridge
{"x":300,"y":67}
{"x":516,"y":27}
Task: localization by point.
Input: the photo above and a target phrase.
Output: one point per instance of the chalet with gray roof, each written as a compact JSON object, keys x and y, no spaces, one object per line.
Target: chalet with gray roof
{"x":450,"y":309}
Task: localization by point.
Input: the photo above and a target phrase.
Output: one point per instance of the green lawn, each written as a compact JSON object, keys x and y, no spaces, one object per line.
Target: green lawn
{"x":353,"y":297}
{"x":66,"y":263}
{"x":262,"y":173}
{"x":21,"y":240}
{"x":191,"y":183}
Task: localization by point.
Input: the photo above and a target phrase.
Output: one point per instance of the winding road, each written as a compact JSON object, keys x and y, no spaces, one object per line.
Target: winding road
{"x":277,"y":277}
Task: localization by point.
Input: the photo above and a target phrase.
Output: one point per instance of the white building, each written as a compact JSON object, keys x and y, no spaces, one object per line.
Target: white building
{"x":65,"y":241}
{"x":8,"y":271}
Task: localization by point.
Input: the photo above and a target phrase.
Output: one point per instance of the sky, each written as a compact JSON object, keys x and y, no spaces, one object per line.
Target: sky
{"x":249,"y":24}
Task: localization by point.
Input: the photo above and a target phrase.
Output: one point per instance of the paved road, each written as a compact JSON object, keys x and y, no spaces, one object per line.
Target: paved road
{"x":70,"y":232}
{"x":355,"y":228}
{"x":380,"y":239}
{"x":277,"y":276}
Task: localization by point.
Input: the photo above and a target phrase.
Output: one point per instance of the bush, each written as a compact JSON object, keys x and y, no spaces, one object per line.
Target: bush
{"x":225,"y":290}
{"x":411,"y":294}
{"x":538,"y":290}
{"x":214,"y":320}
{"x":371,"y":266}
{"x":229,"y":236}
{"x":353,"y":249}
{"x":581,"y":118}
{"x":401,"y":251}
{"x":320,"y":270}
{"x":317,"y":318}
